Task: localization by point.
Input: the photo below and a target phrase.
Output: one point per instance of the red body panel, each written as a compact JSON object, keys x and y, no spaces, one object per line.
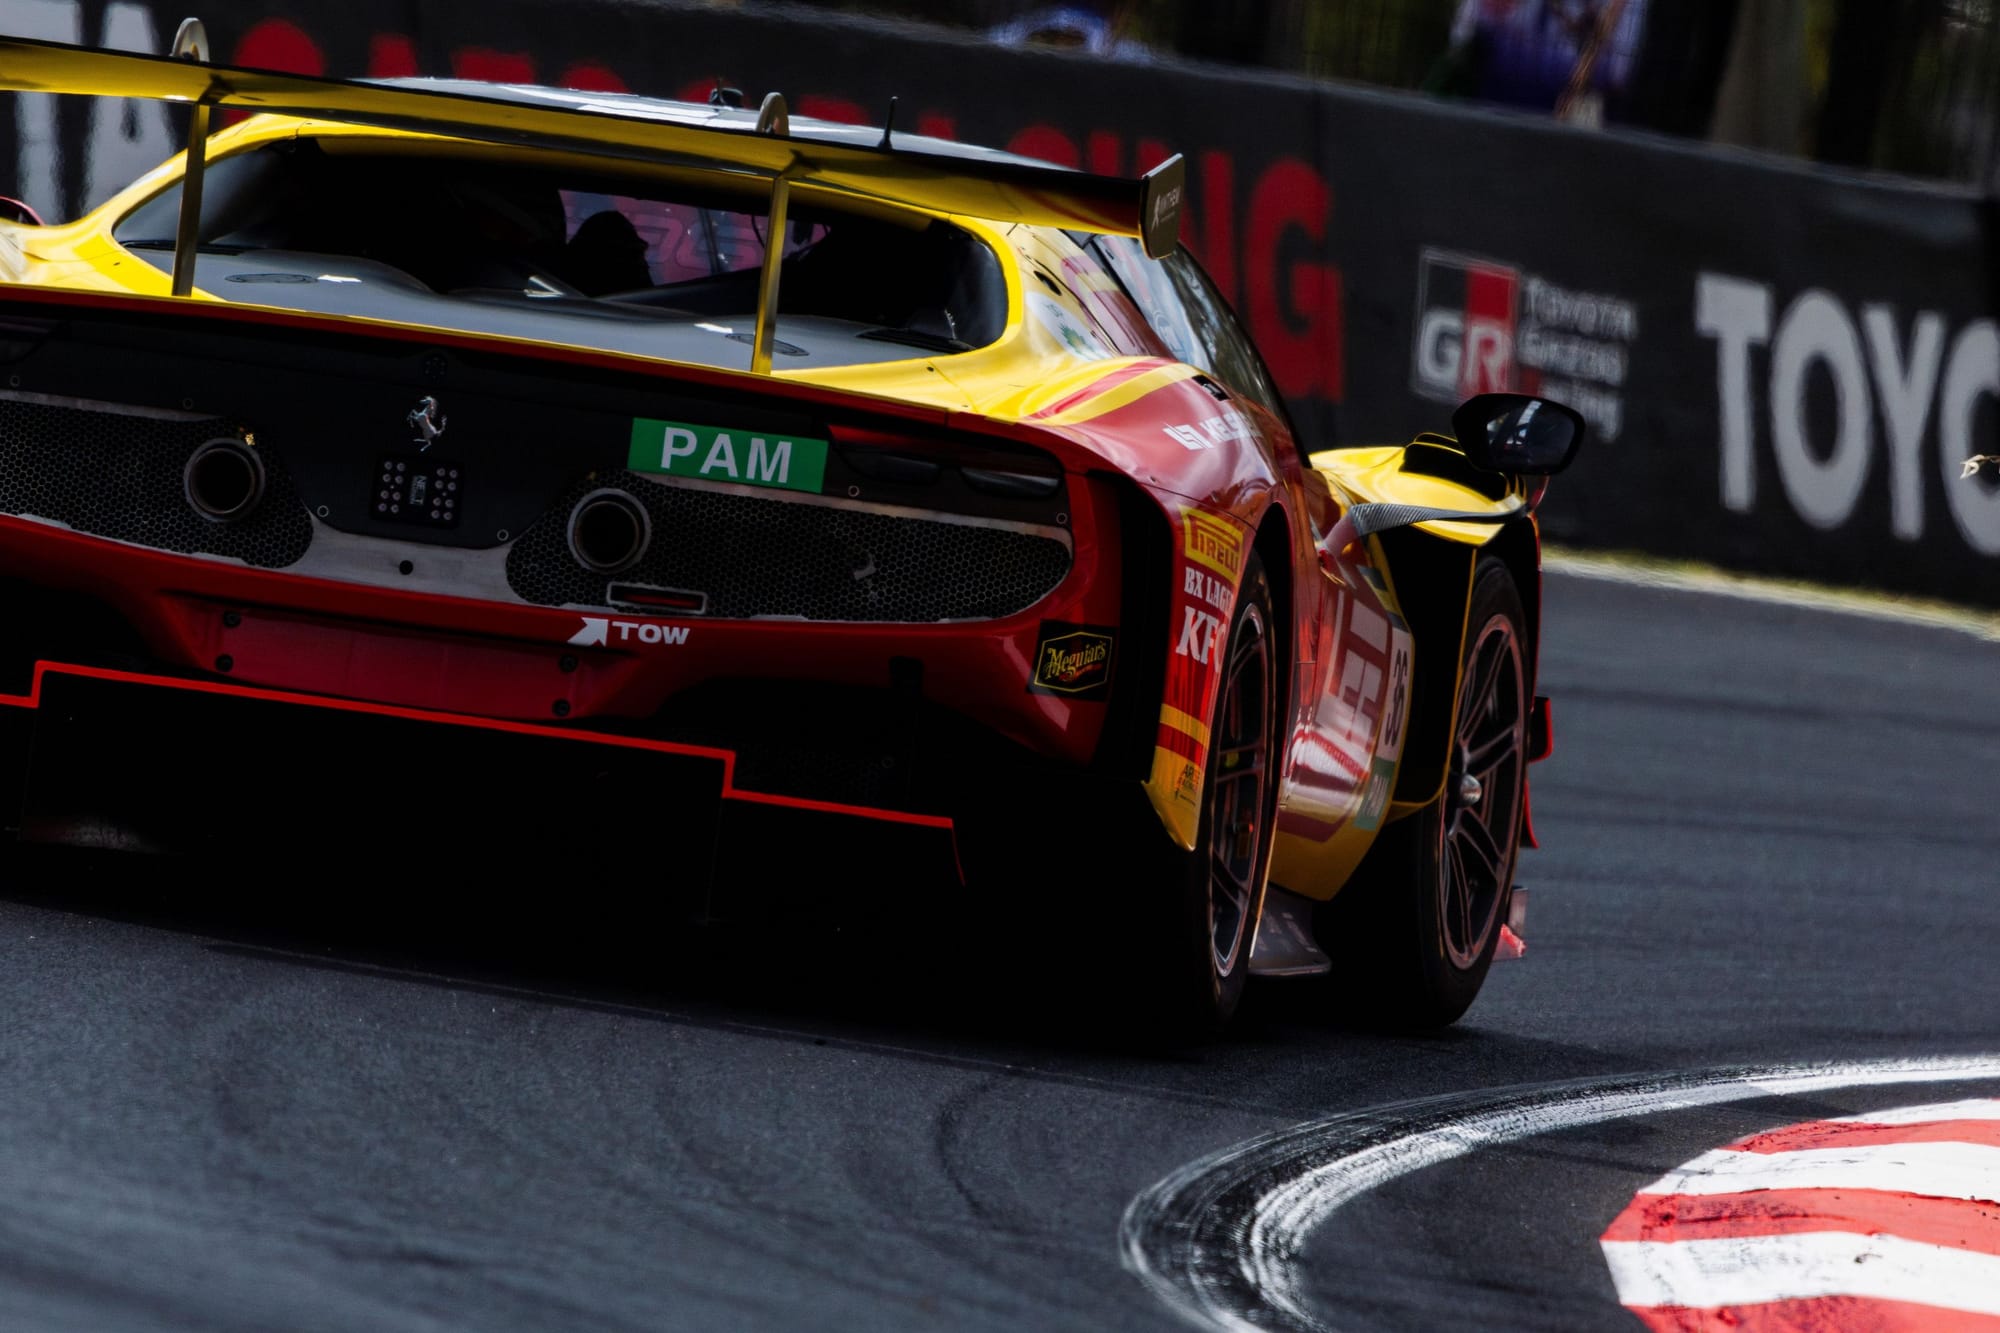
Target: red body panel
{"x":499,"y":660}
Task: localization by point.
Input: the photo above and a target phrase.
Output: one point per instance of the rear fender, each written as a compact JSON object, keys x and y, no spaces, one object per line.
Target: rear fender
{"x":1210,"y":549}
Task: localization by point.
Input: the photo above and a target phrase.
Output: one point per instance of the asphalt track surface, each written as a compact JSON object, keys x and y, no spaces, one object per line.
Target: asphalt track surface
{"x":259,"y":1101}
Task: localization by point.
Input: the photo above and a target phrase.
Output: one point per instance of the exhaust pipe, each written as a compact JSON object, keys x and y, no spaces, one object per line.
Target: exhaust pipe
{"x":224,"y":480}
{"x":609,"y":531}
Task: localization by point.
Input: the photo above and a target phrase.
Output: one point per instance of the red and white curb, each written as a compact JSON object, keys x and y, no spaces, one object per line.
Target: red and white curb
{"x":1884,"y":1221}
{"x":1219,"y":1241}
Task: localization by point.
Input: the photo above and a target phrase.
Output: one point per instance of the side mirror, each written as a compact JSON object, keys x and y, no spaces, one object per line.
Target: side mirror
{"x":1511,"y":432}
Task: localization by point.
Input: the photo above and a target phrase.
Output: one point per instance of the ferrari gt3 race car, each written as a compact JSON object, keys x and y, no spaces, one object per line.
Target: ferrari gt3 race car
{"x":730,"y":488}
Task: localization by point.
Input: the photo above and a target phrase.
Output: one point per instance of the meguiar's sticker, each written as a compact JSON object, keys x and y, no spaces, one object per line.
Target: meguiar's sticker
{"x":1073,"y":660}
{"x":718,"y":453}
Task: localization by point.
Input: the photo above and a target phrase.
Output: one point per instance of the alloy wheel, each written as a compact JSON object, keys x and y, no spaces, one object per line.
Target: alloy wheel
{"x":1238,"y":785}
{"x":1482,"y":824}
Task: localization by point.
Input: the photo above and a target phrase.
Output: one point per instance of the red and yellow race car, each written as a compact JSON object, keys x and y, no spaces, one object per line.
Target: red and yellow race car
{"x":730,"y":488}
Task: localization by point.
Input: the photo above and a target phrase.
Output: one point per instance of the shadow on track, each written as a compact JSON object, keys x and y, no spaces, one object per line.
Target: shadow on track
{"x":598,"y":930}
{"x":904,"y":969}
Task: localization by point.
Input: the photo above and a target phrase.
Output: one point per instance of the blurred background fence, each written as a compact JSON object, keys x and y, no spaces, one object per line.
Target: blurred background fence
{"x":1902,"y":85}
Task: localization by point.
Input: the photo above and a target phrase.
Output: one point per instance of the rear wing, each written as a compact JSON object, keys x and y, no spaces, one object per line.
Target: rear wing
{"x":835,"y":158}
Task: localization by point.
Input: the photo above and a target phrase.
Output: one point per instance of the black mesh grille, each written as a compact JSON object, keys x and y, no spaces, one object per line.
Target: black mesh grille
{"x":757,"y":557}
{"x":114,"y":475}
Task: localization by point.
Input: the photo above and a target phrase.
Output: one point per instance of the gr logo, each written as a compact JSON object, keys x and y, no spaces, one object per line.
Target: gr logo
{"x":1467,"y":313}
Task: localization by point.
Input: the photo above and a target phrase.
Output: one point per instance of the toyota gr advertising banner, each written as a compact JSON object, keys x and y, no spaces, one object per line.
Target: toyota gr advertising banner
{"x":1784,"y":369}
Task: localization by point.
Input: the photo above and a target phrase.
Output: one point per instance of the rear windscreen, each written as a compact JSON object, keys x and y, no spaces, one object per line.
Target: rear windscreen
{"x":492,"y":230}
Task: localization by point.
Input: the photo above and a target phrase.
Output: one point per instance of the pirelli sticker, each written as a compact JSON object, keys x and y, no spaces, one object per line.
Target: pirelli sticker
{"x":1074,"y":660}
{"x":1212,"y":542}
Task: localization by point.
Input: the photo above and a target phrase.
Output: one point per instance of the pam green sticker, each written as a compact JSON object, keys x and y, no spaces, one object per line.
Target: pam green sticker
{"x":1375,"y":799}
{"x":718,"y":453}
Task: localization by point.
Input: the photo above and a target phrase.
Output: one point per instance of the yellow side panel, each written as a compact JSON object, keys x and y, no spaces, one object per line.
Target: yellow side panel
{"x":1318,"y":867}
{"x":1375,"y":475}
{"x":1175,"y":791}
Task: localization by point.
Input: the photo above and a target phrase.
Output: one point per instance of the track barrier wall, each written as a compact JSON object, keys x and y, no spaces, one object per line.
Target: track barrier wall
{"x":1784,"y":367}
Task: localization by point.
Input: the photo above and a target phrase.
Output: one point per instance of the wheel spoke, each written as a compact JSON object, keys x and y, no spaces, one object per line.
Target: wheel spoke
{"x":1491,"y":752}
{"x":1237,"y":774}
{"x":1237,"y":882}
{"x":1472,"y":836}
{"x":1472,"y":706}
{"x":1247,"y":652}
{"x":1461,"y":899}
{"x":1228,"y":908}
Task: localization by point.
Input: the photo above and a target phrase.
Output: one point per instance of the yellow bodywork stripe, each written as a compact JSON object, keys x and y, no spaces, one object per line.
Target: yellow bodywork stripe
{"x":1119,"y":395}
{"x":1184,"y":722}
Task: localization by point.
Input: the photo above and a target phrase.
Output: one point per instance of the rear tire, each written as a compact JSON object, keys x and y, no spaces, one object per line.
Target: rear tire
{"x":1413,"y":935}
{"x":1201,"y":907}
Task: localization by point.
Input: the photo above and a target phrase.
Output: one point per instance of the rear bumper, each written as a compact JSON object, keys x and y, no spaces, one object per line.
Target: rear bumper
{"x":191,"y":615}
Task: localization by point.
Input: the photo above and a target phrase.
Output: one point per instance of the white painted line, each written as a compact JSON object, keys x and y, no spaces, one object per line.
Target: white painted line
{"x":1773,"y":592}
{"x":1940,"y":1170}
{"x":1219,"y":1240}
{"x":1752,"y":1270}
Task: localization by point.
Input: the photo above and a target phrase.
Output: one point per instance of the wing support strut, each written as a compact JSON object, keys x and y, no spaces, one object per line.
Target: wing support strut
{"x":191,"y":43}
{"x":773,"y":117}
{"x":767,"y":286}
